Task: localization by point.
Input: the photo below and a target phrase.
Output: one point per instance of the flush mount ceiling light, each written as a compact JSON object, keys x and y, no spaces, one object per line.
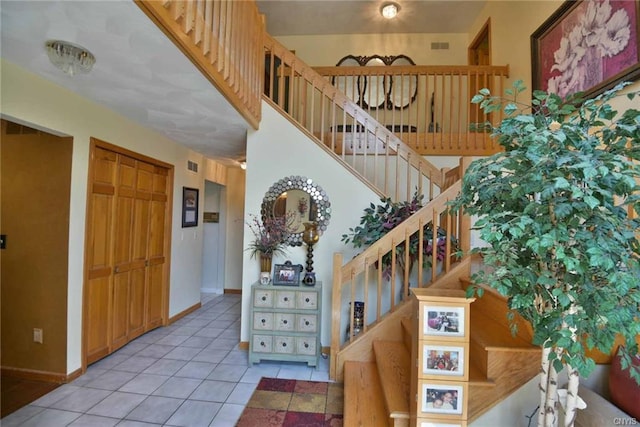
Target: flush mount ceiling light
{"x":69,"y":57}
{"x":389,"y":10}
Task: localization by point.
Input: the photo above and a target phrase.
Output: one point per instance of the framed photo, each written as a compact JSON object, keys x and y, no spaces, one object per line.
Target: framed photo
{"x":439,"y":359}
{"x":444,"y":321}
{"x":189,"y":207}
{"x":287,"y":274}
{"x":586,"y":46}
{"x":445,"y":398}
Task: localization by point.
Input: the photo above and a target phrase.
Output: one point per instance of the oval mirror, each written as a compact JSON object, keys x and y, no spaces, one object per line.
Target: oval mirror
{"x":376,"y":89}
{"x":302,"y":200}
{"x":349,"y":85}
{"x":404,"y":89}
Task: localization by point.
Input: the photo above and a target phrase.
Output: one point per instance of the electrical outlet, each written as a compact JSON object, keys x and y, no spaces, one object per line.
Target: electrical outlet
{"x":37,"y":335}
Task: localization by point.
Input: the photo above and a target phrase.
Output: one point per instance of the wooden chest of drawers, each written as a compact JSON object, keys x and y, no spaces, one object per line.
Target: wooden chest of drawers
{"x":285,"y":323}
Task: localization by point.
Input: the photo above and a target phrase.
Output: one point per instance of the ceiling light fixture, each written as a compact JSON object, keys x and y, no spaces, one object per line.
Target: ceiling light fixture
{"x":389,"y":10}
{"x":69,"y":57}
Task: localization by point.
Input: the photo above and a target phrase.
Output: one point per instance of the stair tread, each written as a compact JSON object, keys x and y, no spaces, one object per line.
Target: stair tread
{"x":365,"y":406}
{"x":494,"y":335}
{"x":394,"y":369}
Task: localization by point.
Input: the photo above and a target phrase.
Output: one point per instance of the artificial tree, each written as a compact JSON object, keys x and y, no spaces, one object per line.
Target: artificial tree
{"x":556,"y":209}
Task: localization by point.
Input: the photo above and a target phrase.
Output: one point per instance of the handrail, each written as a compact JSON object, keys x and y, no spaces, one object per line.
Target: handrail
{"x":363,"y":274}
{"x":310,"y":100}
{"x":223,"y":38}
{"x":428,"y":107}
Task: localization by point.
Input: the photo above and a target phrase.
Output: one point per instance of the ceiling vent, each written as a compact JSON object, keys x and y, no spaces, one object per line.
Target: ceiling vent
{"x":439,"y":45}
{"x":192,"y":166}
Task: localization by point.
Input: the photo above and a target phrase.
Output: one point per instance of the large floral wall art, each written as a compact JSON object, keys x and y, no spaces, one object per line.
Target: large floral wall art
{"x":586,"y":46}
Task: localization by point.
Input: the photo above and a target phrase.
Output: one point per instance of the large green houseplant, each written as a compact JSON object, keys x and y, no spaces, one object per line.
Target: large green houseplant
{"x":556,"y":212}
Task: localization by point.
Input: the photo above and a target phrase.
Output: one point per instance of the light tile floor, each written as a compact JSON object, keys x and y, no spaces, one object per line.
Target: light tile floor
{"x":190,"y":373}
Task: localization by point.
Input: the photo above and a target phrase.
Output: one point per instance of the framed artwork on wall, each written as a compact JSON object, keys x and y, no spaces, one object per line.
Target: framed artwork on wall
{"x":189,"y":207}
{"x":586,"y":46}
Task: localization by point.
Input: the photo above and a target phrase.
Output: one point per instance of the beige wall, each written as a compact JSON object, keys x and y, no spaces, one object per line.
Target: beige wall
{"x":36,"y":177}
{"x":32,"y":100}
{"x":328,"y":50}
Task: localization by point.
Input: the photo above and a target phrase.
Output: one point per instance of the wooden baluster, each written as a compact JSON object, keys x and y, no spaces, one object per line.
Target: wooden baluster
{"x":379,"y":283}
{"x":336,"y":312}
{"x":365,"y":323}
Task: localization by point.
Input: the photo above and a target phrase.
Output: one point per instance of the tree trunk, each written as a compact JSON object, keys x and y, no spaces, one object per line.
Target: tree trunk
{"x":571,"y":408}
{"x":544,"y":383}
{"x":551,"y":403}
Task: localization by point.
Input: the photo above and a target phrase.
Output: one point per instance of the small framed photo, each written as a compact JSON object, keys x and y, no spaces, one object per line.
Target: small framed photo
{"x":287,"y":274}
{"x":440,"y":359}
{"x":189,"y":207}
{"x":444,"y":398}
{"x":444,"y":321}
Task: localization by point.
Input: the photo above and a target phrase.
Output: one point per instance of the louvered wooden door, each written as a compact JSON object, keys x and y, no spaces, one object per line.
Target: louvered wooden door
{"x":127,"y":229}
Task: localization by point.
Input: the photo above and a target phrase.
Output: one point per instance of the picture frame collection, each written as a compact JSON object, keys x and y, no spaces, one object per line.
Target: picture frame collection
{"x":443,"y":358}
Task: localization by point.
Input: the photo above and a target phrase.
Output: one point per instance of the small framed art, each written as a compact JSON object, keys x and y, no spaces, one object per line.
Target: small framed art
{"x":189,"y":207}
{"x":287,"y":274}
{"x":445,"y":321}
{"x":443,"y":360}
{"x":444,"y":398}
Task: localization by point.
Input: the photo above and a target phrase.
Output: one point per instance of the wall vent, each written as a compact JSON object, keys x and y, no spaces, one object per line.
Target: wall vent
{"x":439,"y":45}
{"x":192,"y":166}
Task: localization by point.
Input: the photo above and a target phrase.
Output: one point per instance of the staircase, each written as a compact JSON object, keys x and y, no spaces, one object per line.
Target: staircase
{"x":377,"y":392}
{"x":227,"y":42}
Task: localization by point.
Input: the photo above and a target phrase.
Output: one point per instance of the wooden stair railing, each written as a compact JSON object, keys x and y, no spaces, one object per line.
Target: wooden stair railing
{"x":223,"y":39}
{"x":428,"y":107}
{"x":386,"y":164}
{"x":362,"y":279}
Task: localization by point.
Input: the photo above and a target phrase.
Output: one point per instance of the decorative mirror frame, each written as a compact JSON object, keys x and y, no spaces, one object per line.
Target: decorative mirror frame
{"x":363,"y":84}
{"x":316,"y":193}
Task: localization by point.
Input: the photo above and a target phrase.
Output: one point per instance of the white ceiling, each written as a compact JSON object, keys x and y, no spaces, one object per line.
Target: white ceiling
{"x":141,"y":75}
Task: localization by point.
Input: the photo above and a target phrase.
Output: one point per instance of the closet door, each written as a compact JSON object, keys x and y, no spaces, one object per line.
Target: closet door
{"x":157,"y":258}
{"x":97,"y":295}
{"x":127,"y":224}
{"x":122,"y":250}
{"x":139,"y":261}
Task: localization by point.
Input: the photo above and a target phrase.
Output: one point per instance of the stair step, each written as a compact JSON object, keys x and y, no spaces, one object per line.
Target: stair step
{"x":477,"y":376}
{"x":394,"y":369}
{"x":490,"y":334}
{"x":364,"y":401}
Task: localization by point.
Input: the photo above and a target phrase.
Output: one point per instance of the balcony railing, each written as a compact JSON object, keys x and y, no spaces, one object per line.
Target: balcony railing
{"x":428,"y":107}
{"x":223,"y":38}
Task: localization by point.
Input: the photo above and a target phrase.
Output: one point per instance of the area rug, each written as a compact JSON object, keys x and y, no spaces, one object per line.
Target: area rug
{"x":294,"y":403}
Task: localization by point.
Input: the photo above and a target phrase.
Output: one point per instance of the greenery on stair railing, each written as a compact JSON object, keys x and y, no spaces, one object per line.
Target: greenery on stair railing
{"x":556,"y":210}
{"x":378,"y":220}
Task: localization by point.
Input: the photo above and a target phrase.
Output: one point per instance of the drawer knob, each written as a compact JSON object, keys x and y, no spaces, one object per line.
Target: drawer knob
{"x":286,"y":299}
{"x":306,"y":299}
{"x":264,"y":320}
{"x":262,"y":343}
{"x":284,"y":344}
{"x":306,"y":323}
{"x":285,"y":321}
{"x":264,"y":298}
{"x":306,"y":345}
